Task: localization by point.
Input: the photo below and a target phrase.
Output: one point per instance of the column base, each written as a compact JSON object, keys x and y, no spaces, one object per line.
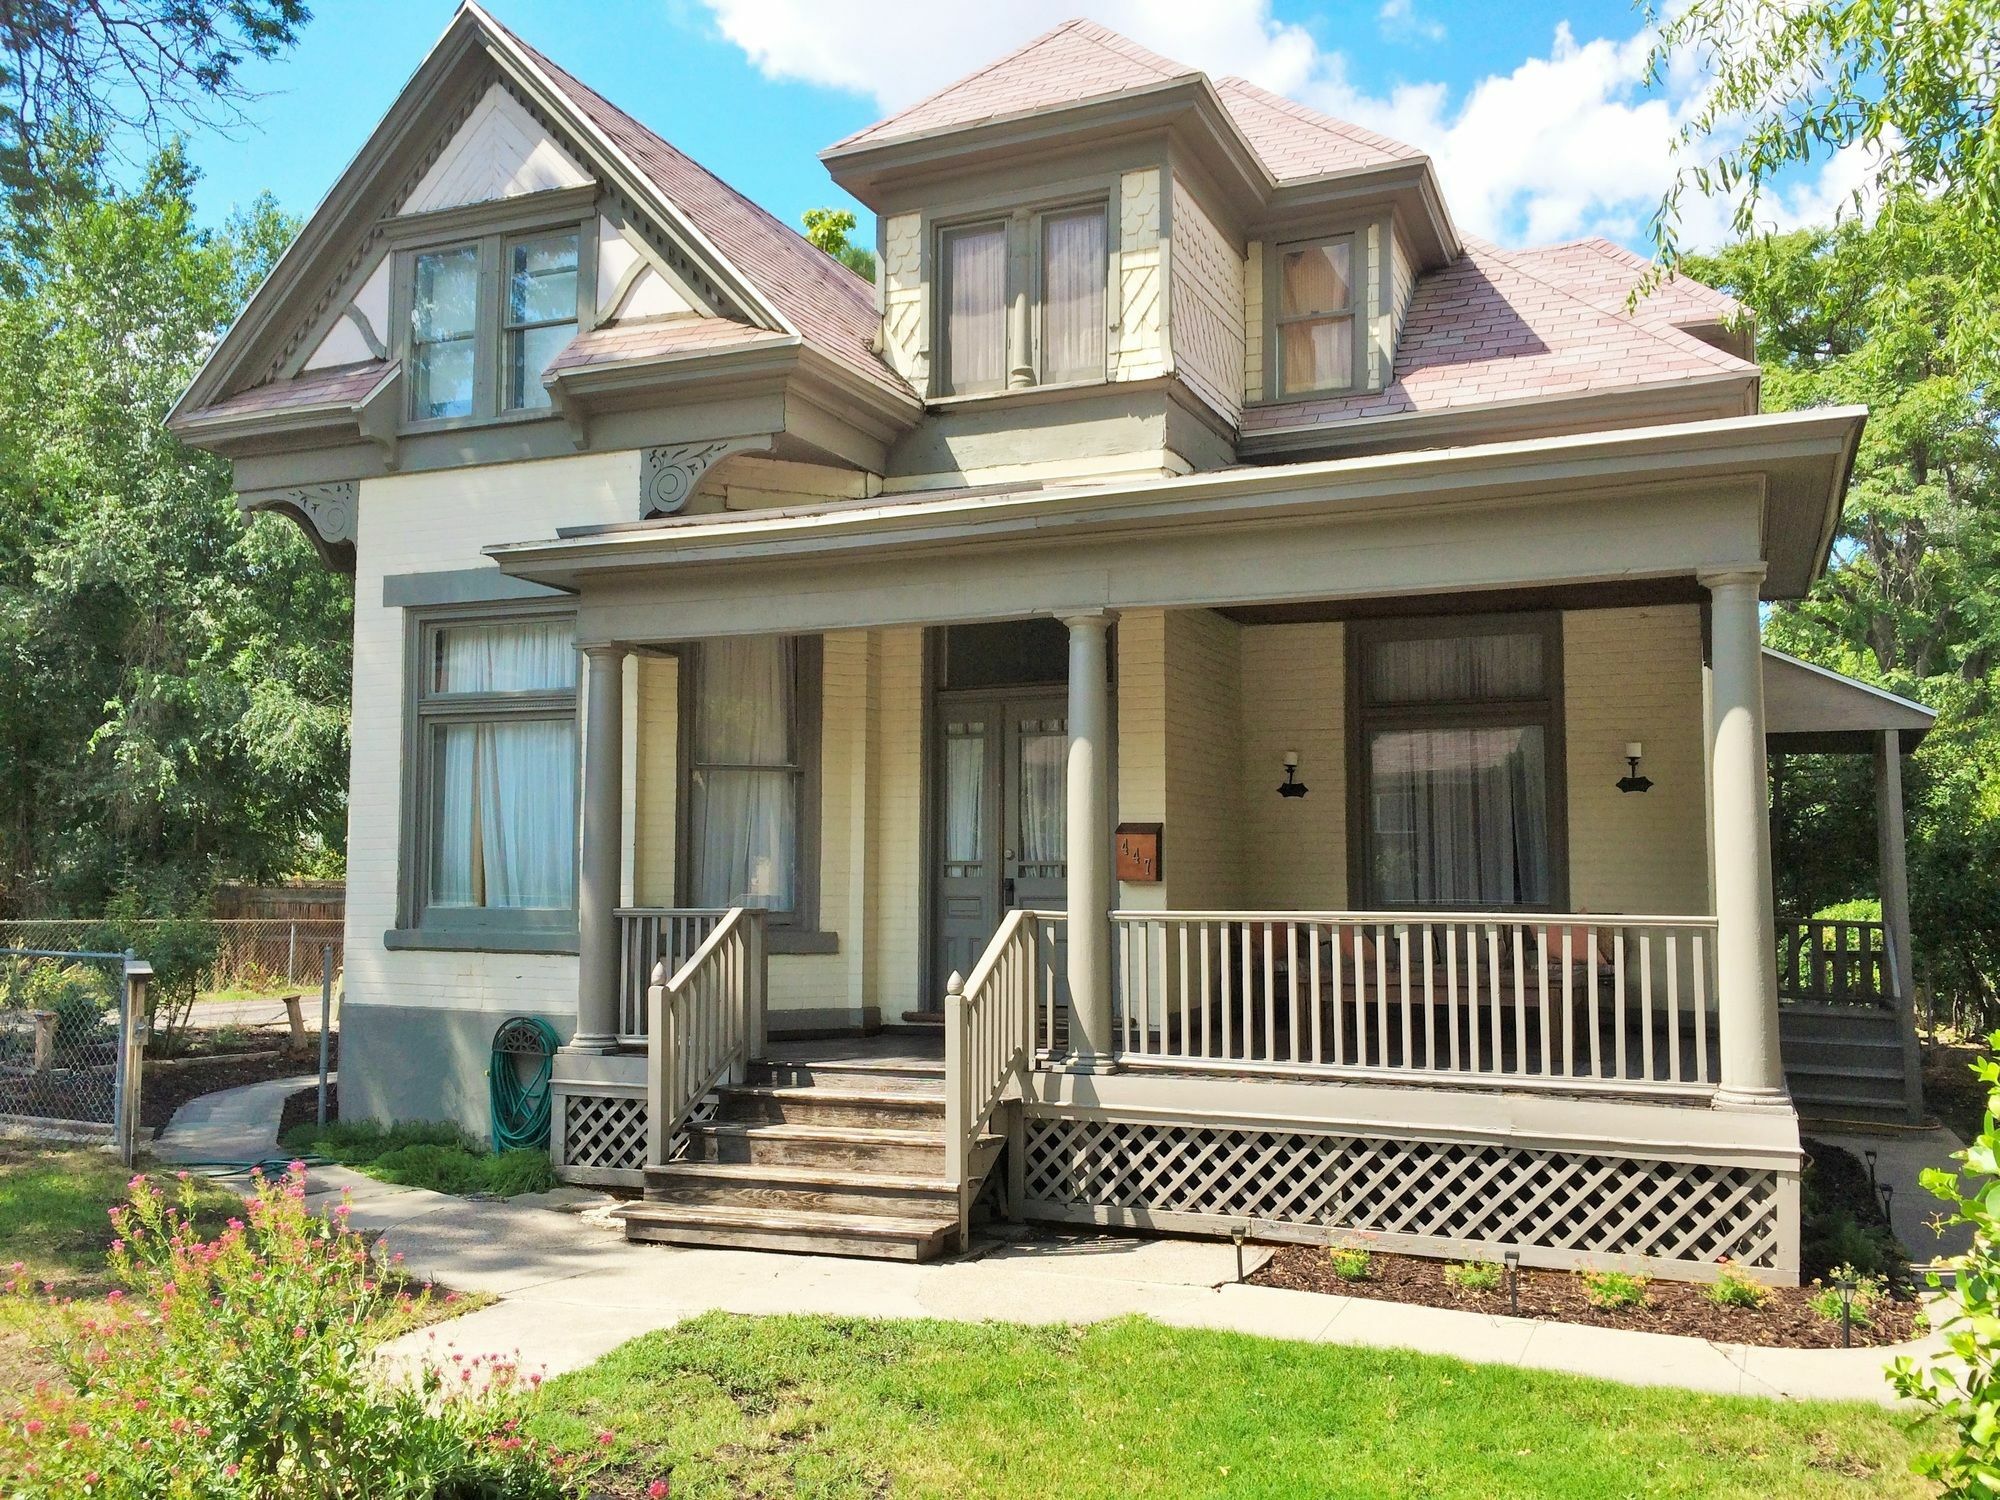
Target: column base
{"x":591,"y":1044}
{"x":1082,"y":1062}
{"x":1752,"y":1098}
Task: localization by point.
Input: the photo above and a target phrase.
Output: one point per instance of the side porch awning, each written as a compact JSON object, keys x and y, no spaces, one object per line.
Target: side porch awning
{"x":1814,"y":710}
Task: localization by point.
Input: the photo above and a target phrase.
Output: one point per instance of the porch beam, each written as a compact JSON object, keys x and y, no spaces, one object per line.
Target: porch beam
{"x":597,"y":883}
{"x":1088,"y":813}
{"x":1752,"y":1071}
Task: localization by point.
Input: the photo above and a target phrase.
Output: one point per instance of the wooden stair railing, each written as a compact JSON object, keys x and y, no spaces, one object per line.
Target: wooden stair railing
{"x":706,"y":1023}
{"x":988,"y":1036}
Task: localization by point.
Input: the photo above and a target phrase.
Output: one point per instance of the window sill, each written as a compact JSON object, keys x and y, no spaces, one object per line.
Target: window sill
{"x":418,"y":426}
{"x":467,"y":940}
{"x":793,"y":941}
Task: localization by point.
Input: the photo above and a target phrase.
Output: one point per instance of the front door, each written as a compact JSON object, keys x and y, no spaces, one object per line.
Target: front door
{"x":1001,"y":829}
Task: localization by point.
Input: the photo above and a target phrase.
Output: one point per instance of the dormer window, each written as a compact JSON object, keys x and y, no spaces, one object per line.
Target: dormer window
{"x":1315,"y":321}
{"x":485,"y":316}
{"x":1021,"y":300}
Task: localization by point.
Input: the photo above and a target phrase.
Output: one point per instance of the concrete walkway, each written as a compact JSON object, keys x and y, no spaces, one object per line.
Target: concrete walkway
{"x":570,"y":1288}
{"x":1900,"y":1155}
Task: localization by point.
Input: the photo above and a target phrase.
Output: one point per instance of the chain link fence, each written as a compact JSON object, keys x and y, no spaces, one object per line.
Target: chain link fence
{"x":66,"y":1038}
{"x":253,"y":956}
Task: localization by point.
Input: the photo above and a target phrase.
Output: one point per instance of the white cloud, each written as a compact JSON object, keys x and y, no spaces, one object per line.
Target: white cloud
{"x":1569,"y":143}
{"x":1399,"y":22}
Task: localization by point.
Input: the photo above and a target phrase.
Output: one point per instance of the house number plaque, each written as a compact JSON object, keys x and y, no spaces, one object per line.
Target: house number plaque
{"x":1139,"y":852}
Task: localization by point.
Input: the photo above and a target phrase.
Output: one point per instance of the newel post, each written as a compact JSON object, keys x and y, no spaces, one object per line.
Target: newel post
{"x":1752,"y":1070}
{"x":954,"y":1078}
{"x":663,"y":1054}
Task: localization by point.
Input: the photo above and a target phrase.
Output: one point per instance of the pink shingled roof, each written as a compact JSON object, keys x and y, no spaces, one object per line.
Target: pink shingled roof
{"x":1295,"y":142}
{"x":342,"y":385}
{"x":1078,"y":60}
{"x":1604,"y":274}
{"x":1502,"y":326}
{"x":618,"y":342}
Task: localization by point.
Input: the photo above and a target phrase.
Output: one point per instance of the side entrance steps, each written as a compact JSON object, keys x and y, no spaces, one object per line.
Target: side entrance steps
{"x":838,"y":1155}
{"x":1849,"y":1062}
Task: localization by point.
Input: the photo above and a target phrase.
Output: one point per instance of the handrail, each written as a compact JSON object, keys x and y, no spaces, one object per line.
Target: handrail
{"x":646,"y":936}
{"x":1837,"y":961}
{"x":706,"y":1022}
{"x":987,"y":1021}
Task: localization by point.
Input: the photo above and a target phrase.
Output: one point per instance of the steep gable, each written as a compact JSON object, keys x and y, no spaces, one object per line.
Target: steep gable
{"x":499,"y":152}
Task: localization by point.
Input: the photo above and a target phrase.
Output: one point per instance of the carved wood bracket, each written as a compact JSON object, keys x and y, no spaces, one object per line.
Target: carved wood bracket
{"x":328,"y":514}
{"x":668,"y":476}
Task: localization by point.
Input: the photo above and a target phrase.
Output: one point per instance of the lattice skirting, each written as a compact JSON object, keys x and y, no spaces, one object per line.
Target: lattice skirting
{"x":600,"y":1137}
{"x":1458,"y":1198}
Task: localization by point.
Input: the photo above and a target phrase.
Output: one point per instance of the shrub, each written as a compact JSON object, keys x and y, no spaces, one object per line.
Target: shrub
{"x":248,"y":1372}
{"x":1614,"y":1291}
{"x":1864,"y":1292}
{"x":1349,"y":1262}
{"x":81,"y":995}
{"x":1474,"y":1276}
{"x":1735,"y":1287}
{"x":1961,"y":1385}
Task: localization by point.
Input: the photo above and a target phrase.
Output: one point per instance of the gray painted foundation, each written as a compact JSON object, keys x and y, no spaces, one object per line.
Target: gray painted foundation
{"x":410,"y":1062}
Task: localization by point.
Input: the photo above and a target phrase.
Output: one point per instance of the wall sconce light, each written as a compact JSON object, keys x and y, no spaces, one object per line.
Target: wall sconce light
{"x":1293,"y":787}
{"x":1633,"y":781}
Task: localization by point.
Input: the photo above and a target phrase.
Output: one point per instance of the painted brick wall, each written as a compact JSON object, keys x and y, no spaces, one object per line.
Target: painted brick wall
{"x":1203,"y":747}
{"x":1205,"y":307}
{"x":895,"y":813}
{"x":1294,"y":697}
{"x":1636,"y":674}
{"x":656,"y":703}
{"x":1142,"y":735}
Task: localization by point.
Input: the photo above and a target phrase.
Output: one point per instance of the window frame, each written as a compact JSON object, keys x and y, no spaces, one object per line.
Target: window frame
{"x":491,"y":229}
{"x":503,"y":929}
{"x":1277,"y":320}
{"x":1023,"y":225}
{"x":798,"y":930}
{"x":510,"y":330}
{"x":1547,"y":712}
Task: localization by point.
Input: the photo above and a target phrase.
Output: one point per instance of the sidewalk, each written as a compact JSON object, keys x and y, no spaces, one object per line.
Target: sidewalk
{"x":571,"y":1288}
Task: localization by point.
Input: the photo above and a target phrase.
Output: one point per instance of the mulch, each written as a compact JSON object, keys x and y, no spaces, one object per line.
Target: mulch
{"x":302,"y":1108}
{"x":1784,"y":1321}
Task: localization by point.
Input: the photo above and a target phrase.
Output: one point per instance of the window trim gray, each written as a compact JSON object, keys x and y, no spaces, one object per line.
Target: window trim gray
{"x":492,"y":929}
{"x":1357,"y":312}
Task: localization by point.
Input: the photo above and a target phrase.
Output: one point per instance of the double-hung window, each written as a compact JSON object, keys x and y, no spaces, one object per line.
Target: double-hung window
{"x":753,"y":711}
{"x":485,"y":318}
{"x":1458,"y":744}
{"x":495,"y":759}
{"x":1063,"y":270}
{"x":1315,"y":316}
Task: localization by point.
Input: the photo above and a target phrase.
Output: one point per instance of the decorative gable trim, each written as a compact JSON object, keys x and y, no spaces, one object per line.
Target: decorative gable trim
{"x":501,"y":151}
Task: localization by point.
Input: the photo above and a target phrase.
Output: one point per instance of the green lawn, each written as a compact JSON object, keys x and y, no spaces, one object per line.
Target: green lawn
{"x":422,"y":1155}
{"x":835,"y":1407}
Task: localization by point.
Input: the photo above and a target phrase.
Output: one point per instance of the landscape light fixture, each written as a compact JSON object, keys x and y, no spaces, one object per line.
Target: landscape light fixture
{"x":1632,"y":781}
{"x":1237,"y":1234}
{"x":1512,"y":1260}
{"x":1293,"y":787}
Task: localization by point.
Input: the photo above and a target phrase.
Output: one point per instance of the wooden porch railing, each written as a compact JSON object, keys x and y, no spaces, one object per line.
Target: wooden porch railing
{"x":647,"y":937}
{"x":707,"y":1022}
{"x":989,"y":1023}
{"x":1824,"y":962}
{"x":1616,"y":1003}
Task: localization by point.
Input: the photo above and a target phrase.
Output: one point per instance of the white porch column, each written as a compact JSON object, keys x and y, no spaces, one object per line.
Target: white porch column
{"x":597,"y":883}
{"x":1089,"y":841}
{"x":1893,"y":880}
{"x":1753,"y":1073}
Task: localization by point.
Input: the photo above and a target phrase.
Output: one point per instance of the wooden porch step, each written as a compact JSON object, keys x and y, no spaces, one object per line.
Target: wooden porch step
{"x":776,"y":1143}
{"x":874,"y":1236}
{"x":856,"y":1074}
{"x":905,"y":1109}
{"x":807,"y":1189}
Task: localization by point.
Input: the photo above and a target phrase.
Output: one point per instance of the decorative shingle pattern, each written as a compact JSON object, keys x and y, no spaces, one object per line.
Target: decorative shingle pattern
{"x":341,"y":385}
{"x":1296,"y":142}
{"x":832,"y":308}
{"x":1500,"y":326}
{"x":627,"y":341}
{"x":1077,"y":60}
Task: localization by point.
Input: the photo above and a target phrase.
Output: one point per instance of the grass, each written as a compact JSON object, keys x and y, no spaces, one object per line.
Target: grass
{"x":424,"y":1155}
{"x":785,"y":1406}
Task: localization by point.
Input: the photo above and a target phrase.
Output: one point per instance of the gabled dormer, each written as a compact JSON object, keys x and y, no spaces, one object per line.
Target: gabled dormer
{"x":1086,"y":214}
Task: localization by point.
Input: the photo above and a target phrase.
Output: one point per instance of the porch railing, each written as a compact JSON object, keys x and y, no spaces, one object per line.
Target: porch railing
{"x":649,"y":936}
{"x":989,"y":1032}
{"x":1615,"y":1003}
{"x":1826,"y":962}
{"x":706,"y":1023}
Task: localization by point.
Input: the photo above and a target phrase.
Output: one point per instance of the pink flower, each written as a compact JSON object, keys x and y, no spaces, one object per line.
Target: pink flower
{"x":604,"y":1440}
{"x":35,"y":1425}
{"x":657,"y":1490}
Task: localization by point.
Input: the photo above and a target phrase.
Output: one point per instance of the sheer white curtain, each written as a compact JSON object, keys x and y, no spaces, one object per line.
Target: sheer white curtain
{"x":965,"y":794}
{"x":505,"y":831}
{"x":1461,"y":816}
{"x":1044,"y":827}
{"x":744,"y":780}
{"x":1073,"y":277}
{"x":1456,"y":669}
{"x":976,"y":330}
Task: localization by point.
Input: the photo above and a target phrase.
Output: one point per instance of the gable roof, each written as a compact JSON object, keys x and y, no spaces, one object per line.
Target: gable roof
{"x":1500,"y":325}
{"x":784,"y":285}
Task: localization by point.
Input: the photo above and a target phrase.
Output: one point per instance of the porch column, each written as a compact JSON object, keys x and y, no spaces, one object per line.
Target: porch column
{"x":1753,"y":1073}
{"x":1893,"y":881}
{"x":1089,"y":842}
{"x":597,"y":884}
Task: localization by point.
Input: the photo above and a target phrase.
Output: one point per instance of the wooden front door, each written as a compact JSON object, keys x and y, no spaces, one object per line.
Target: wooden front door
{"x":1001,"y":831}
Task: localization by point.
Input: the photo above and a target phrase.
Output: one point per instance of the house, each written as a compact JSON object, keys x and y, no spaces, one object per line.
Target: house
{"x":1206,"y":698}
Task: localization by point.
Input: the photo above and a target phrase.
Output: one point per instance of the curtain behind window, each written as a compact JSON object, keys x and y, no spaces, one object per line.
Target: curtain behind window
{"x":976,"y":331}
{"x":1073,"y":276}
{"x":744,"y":784}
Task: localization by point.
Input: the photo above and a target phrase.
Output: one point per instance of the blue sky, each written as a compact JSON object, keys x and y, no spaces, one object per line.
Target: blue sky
{"x":1533,"y":111}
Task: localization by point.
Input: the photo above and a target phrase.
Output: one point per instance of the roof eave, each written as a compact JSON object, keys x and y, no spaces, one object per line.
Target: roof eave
{"x":1410,"y":185}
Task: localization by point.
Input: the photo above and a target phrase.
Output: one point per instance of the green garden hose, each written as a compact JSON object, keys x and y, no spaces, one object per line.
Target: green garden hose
{"x":521,"y":1106}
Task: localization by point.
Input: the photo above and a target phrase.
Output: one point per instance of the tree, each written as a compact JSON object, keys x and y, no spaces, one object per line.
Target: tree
{"x":828,"y":228}
{"x":114,"y":67}
{"x":1866,"y":312}
{"x":173,"y":681}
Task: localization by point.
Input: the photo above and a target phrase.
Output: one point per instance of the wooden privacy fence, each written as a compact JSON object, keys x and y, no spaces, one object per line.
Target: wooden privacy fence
{"x":1822,"y":961}
{"x":1619,"y":1003}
